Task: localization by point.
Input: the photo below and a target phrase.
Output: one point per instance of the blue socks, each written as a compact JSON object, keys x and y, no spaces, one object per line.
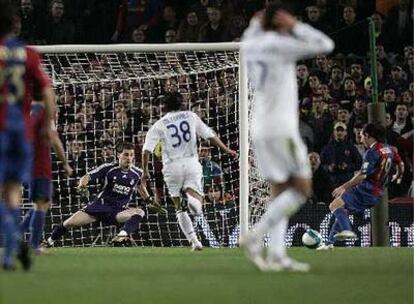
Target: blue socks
{"x":37,"y":222}
{"x":11,"y":230}
{"x":132,"y":224}
{"x":341,"y":216}
{"x":25,"y":223}
{"x":334,"y":230}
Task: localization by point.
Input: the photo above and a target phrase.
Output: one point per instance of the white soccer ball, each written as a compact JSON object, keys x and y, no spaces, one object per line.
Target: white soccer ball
{"x":311,"y":239}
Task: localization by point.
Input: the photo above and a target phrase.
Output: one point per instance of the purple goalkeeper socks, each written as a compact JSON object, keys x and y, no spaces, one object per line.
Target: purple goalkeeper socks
{"x":132,"y":224}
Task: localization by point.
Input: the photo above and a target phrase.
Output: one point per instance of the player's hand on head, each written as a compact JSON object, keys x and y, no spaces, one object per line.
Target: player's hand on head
{"x":285,"y":20}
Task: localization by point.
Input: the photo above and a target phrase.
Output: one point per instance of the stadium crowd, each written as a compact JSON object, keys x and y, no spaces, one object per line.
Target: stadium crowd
{"x":108,"y":105}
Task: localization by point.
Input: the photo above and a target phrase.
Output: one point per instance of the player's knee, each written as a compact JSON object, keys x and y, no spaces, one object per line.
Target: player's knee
{"x":68,"y":223}
{"x":194,"y":205}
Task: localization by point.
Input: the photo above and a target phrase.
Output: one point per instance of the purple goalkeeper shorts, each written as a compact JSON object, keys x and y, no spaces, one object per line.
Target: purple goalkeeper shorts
{"x":105,"y":213}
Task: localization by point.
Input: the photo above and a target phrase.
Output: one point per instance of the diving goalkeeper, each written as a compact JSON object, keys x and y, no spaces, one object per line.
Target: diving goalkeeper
{"x":111,"y":205}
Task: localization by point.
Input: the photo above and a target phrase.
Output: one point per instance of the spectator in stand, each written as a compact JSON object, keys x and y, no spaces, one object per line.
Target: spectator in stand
{"x":368,"y":88}
{"x":391,"y":135}
{"x":336,"y":80}
{"x":390,"y":98}
{"x":399,"y":24}
{"x":170,"y":36}
{"x":56,"y":29}
{"x":238,"y":23}
{"x":216,"y":29}
{"x":320,"y":124}
{"x":313,"y":85}
{"x":138,"y":36}
{"x":360,"y":111}
{"x":212,"y":172}
{"x":168,"y":21}
{"x":322,"y":184}
{"x":29,"y":21}
{"x":357,"y":75}
{"x":349,"y":91}
{"x":383,"y":57}
{"x":133,"y":14}
{"x":407,"y":99}
{"x":339,"y":157}
{"x":345,"y":116}
{"x":107,"y":153}
{"x":397,"y":80}
{"x":313,"y":17}
{"x":403,"y":123}
{"x":201,"y":10}
{"x":323,"y":68}
{"x":357,"y":138}
{"x":350,"y":40}
{"x":189,"y":28}
{"x":302,"y":74}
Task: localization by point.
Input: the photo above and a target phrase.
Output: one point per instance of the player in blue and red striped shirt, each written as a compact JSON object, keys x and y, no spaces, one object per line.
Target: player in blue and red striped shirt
{"x":21,"y":77}
{"x":365,"y":189}
{"x":41,"y":185}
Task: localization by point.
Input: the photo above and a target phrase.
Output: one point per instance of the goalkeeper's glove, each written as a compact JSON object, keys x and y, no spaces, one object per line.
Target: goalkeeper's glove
{"x":156,"y":207}
{"x":83,"y":191}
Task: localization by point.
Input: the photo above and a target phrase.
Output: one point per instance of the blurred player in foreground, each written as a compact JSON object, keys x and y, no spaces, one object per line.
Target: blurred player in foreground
{"x":365,"y":189}
{"x":177,"y":131}
{"x":111,"y":205}
{"x":41,"y":185}
{"x":21,"y":77}
{"x":271,"y":46}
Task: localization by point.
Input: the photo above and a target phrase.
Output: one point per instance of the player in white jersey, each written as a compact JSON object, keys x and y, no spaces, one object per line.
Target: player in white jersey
{"x":177,"y":131}
{"x":271,"y":46}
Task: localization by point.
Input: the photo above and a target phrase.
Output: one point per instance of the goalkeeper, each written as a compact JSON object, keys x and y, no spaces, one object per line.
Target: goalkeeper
{"x":120,"y":180}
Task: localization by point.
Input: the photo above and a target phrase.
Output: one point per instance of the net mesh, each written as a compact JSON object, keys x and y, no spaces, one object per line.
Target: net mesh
{"x":104,"y":99}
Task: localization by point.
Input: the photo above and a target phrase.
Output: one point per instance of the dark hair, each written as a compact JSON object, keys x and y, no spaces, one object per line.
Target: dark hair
{"x":125,"y":146}
{"x":8,"y":14}
{"x":270,"y":11}
{"x":172,"y":101}
{"x":375,"y":130}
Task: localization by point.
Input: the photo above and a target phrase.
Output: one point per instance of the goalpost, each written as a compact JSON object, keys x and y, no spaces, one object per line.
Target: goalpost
{"x":92,"y":80}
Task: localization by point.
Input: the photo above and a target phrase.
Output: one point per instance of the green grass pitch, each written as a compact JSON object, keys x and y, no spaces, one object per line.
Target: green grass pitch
{"x":213,"y":276}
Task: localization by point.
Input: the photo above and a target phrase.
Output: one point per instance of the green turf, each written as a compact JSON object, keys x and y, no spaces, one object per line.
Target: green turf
{"x":175,"y":275}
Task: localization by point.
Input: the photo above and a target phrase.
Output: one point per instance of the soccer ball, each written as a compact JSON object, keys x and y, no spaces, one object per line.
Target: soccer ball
{"x":311,"y":239}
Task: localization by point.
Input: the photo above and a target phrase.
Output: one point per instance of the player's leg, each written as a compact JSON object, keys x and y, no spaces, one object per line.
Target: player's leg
{"x":80,"y":218}
{"x":342,"y":225}
{"x":10,"y":217}
{"x":37,"y":222}
{"x":131,"y":218}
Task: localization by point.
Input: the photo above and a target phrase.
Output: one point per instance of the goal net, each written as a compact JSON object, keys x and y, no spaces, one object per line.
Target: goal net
{"x":108,"y":96}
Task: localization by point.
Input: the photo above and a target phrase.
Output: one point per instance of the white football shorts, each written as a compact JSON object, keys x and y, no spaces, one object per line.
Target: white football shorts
{"x":280,"y":157}
{"x":183,"y":174}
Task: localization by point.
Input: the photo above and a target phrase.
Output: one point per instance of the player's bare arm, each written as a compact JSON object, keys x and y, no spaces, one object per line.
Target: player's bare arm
{"x":58,"y":148}
{"x":397,"y":177}
{"x":145,"y":160}
{"x":358,"y":177}
{"x":217,"y":142}
{"x":48,"y":99}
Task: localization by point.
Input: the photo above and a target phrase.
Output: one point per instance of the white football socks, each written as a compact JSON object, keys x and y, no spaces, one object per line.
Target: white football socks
{"x":277,"y":239}
{"x":186,"y":225}
{"x":284,"y":205}
{"x":194,"y":205}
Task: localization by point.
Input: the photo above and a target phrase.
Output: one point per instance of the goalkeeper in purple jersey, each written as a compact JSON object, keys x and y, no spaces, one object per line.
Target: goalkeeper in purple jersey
{"x":365,"y":189}
{"x":120,"y":180}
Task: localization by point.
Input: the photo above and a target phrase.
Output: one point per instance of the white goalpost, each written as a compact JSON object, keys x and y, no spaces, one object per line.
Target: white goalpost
{"x":97,"y":74}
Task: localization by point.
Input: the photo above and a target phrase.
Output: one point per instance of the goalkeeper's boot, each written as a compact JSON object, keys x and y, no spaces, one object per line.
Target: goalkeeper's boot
{"x":196,"y":245}
{"x":24,"y":256}
{"x":41,"y":250}
{"x":345,"y":235}
{"x":253,"y":250}
{"x":121,"y":241}
{"x":325,"y":247}
{"x":285,"y":264}
{"x":46,"y":244}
